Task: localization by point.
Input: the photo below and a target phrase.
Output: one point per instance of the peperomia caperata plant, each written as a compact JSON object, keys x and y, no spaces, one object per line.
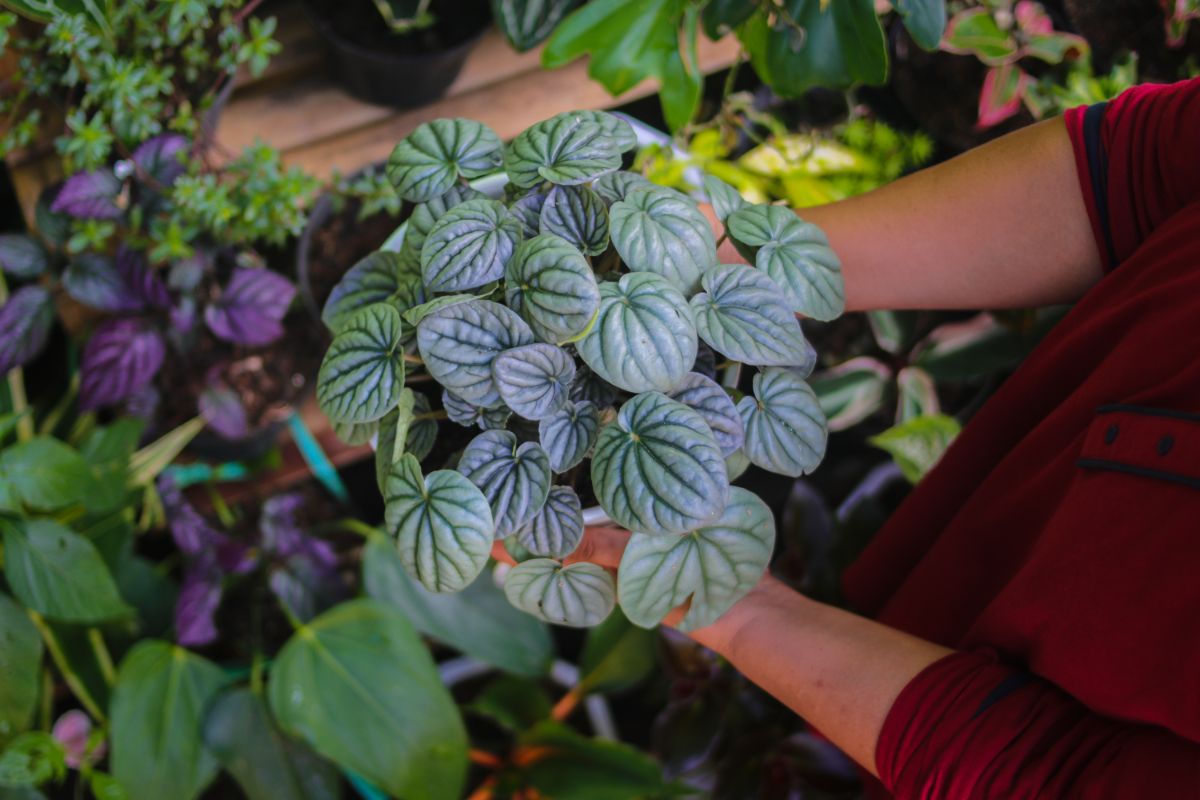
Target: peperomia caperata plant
{"x":582,"y":314}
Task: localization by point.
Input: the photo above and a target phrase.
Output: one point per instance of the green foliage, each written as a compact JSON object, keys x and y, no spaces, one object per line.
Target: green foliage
{"x":919,"y":443}
{"x":20,"y":659}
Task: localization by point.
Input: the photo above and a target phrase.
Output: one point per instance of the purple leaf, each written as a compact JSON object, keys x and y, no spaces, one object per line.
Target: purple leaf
{"x":94,"y":281}
{"x":90,"y":195}
{"x":143,"y":403}
{"x":22,"y":256}
{"x":142,"y":280}
{"x":223,"y":411}
{"x":307,"y":580}
{"x":281,"y":534}
{"x":183,"y":316}
{"x":159,"y":157}
{"x":196,"y":538}
{"x":251,"y":308}
{"x":25,"y":322}
{"x":122,"y":356}
{"x":199,"y":598}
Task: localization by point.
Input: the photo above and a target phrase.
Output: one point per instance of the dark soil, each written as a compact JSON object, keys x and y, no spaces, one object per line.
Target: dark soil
{"x":341,"y":242}
{"x":359,"y":22}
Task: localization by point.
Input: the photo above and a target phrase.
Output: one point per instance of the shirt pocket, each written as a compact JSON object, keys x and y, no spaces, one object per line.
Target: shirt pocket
{"x":1155,"y":444}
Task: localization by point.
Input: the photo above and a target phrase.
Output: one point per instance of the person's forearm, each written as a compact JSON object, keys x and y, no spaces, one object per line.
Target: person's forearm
{"x":1001,"y":226}
{"x":838,"y":671}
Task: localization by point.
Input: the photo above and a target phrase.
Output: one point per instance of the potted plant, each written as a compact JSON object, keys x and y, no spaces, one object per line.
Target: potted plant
{"x":566,"y":320}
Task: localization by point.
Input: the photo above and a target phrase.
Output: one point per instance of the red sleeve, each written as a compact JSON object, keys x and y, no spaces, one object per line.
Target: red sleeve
{"x":1138,"y":163}
{"x":969,"y":727}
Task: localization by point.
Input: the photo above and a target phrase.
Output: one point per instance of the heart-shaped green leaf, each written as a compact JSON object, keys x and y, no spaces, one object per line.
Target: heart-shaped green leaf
{"x":550,"y":284}
{"x":796,"y":255}
{"x":657,"y":232}
{"x":577,"y":214}
{"x":713,"y":566}
{"x":442,"y":524}
{"x":579,"y":595}
{"x":742,"y":314}
{"x":534,"y":380}
{"x":621,"y":132}
{"x":712,"y":403}
{"x":568,"y":149}
{"x":363,"y":371}
{"x":514,"y":478}
{"x":658,"y":469}
{"x":375,"y":279}
{"x":644,"y":337}
{"x":528,"y":211}
{"x":466,"y":414}
{"x":569,"y":433}
{"x":426,"y":215}
{"x":459,"y":342}
{"x":20,"y":663}
{"x":785,"y":429}
{"x":724,"y":198}
{"x":469,"y":246}
{"x":428,"y":162}
{"x":555,"y":531}
{"x":613,"y":187}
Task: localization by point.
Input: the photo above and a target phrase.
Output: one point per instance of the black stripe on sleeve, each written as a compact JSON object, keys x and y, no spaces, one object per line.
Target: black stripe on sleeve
{"x":1097,"y":159}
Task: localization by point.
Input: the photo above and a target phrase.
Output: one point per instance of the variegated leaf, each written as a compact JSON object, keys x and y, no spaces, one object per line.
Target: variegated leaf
{"x":375,"y":279}
{"x":515,"y":478}
{"x":568,"y":149}
{"x":459,"y":342}
{"x":656,"y":232}
{"x":363,"y":371}
{"x":785,"y":429}
{"x":469,"y":246}
{"x":613,"y":187}
{"x":557,"y":529}
{"x":716,"y":407}
{"x":579,"y":216}
{"x":724,"y":198}
{"x":426,"y":215}
{"x":534,"y":380}
{"x":742,"y":314}
{"x":579,"y":595}
{"x":568,"y":434}
{"x":550,"y":284}
{"x":429,"y":161}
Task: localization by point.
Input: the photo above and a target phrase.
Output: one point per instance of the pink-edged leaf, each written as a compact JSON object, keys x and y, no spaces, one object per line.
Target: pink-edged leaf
{"x":222,"y":409}
{"x":196,"y":607}
{"x":72,"y":731}
{"x":122,"y":356}
{"x":143,"y":281}
{"x":1054,"y":48}
{"x":160,"y":157}
{"x":1001,"y":95}
{"x":976,"y":32}
{"x":93,"y":280}
{"x":25,"y":322}
{"x":1032,"y":18}
{"x":90,"y":195}
{"x":251,"y":309}
{"x":1179,"y":14}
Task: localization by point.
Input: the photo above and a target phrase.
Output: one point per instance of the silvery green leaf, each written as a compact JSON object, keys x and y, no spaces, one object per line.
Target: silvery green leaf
{"x":568,"y":149}
{"x":426,"y":215}
{"x":551,"y":285}
{"x":644,"y":337}
{"x":556,"y":530}
{"x":429,"y":161}
{"x":363,"y":371}
{"x":724,"y":198}
{"x":713,"y":404}
{"x":393,"y":437}
{"x":413,"y":316}
{"x":527,"y":23}
{"x":796,"y":255}
{"x":613,"y":187}
{"x":577,"y":214}
{"x":422,"y":431}
{"x":374,"y":279}
{"x":514,"y":478}
{"x":621,"y":132}
{"x":355,"y":433}
{"x":569,"y":433}
{"x":528,"y":211}
{"x":713,"y":566}
{"x":534,"y":380}
{"x":469,"y":246}
{"x":736,"y":464}
{"x":742,"y":314}
{"x":494,"y":419}
{"x":579,"y":595}
{"x":590,"y":387}
{"x":442,"y":524}
{"x":785,"y":429}
{"x":657,"y":232}
{"x":459,"y":410}
{"x":459,"y":342}
{"x":657,"y":469}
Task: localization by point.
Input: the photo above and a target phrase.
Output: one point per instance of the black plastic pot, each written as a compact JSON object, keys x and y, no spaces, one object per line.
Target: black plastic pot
{"x":402,"y":80}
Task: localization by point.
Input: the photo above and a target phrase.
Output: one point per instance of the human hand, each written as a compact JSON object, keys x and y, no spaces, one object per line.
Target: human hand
{"x":726,"y":252}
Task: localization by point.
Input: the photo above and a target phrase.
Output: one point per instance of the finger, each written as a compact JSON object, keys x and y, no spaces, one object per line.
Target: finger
{"x":603,"y":546}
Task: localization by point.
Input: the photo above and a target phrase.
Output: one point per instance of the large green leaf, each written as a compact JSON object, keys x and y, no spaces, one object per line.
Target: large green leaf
{"x":617,"y":655}
{"x":742,"y":314}
{"x":569,"y":433}
{"x":362,"y":374}
{"x":59,"y":573}
{"x":715,"y":406}
{"x":630,"y":40}
{"x":359,"y":686}
{"x":579,"y":595}
{"x":555,"y":531}
{"x":918,"y":444}
{"x":568,"y":149}
{"x":924,"y":19}
{"x":578,"y":215}
{"x":429,"y":161}
{"x":534,"y":380}
{"x":477,"y":621}
{"x":107,"y":451}
{"x":644,"y":337}
{"x":713,"y":566}
{"x":374,"y":279}
{"x":158,"y":705}
{"x":442,"y":524}
{"x":785,"y":429}
{"x":527,"y":23}
{"x":45,"y":474}
{"x":515,"y":478}
{"x":724,"y":198}
{"x":425,"y":215}
{"x":20,"y":662}
{"x":469,"y":246}
{"x":550,"y":284}
{"x":658,"y":469}
{"x":239,"y":731}
{"x":659,"y":232}
{"x":796,"y":255}
{"x":459,"y":343}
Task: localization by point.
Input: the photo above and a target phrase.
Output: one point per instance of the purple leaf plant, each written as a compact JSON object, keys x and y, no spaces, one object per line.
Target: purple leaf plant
{"x":25,"y":322}
{"x":250,"y":310}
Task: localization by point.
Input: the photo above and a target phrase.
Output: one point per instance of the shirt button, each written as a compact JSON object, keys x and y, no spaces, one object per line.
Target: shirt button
{"x":1110,"y":435}
{"x":1165,"y":444}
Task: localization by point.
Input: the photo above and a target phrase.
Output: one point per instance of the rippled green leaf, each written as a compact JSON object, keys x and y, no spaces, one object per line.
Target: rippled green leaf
{"x":363,"y":371}
{"x":459,"y":342}
{"x":568,"y":149}
{"x":712,"y":403}
{"x":534,"y":380}
{"x":785,"y":429}
{"x":556,"y":530}
{"x":569,"y":433}
{"x":515,"y":478}
{"x":579,"y":595}
{"x":429,"y":161}
{"x":724,"y":198}
{"x":578,"y":215}
{"x":551,"y":285}
{"x":528,"y":211}
{"x":657,"y":232}
{"x":378,"y":278}
{"x":614,"y":186}
{"x":425,"y":215}
{"x":469,"y":246}
{"x":742,"y":314}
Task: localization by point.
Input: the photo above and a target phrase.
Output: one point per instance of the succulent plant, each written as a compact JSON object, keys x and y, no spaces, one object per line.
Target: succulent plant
{"x":577,"y":316}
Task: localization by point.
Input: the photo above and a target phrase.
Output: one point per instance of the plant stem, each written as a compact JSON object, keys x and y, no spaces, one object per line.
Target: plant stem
{"x":74,"y":682}
{"x":484,"y":759}
{"x":409,"y":358}
{"x":357,"y":526}
{"x":256,"y":674}
{"x":484,"y":792}
{"x":439,"y":414}
{"x":291,"y":617}
{"x":103,"y":657}
{"x":563,"y":708}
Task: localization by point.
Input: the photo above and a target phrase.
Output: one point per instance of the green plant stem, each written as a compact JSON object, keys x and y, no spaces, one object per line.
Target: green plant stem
{"x":291,"y":617}
{"x":357,"y":526}
{"x":256,"y":674}
{"x":74,"y":682}
{"x":103,"y":657}
{"x":409,"y":358}
{"x":439,"y":414}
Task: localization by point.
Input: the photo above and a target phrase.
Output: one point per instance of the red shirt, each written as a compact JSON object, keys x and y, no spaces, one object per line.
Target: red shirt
{"x":1057,"y":545}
